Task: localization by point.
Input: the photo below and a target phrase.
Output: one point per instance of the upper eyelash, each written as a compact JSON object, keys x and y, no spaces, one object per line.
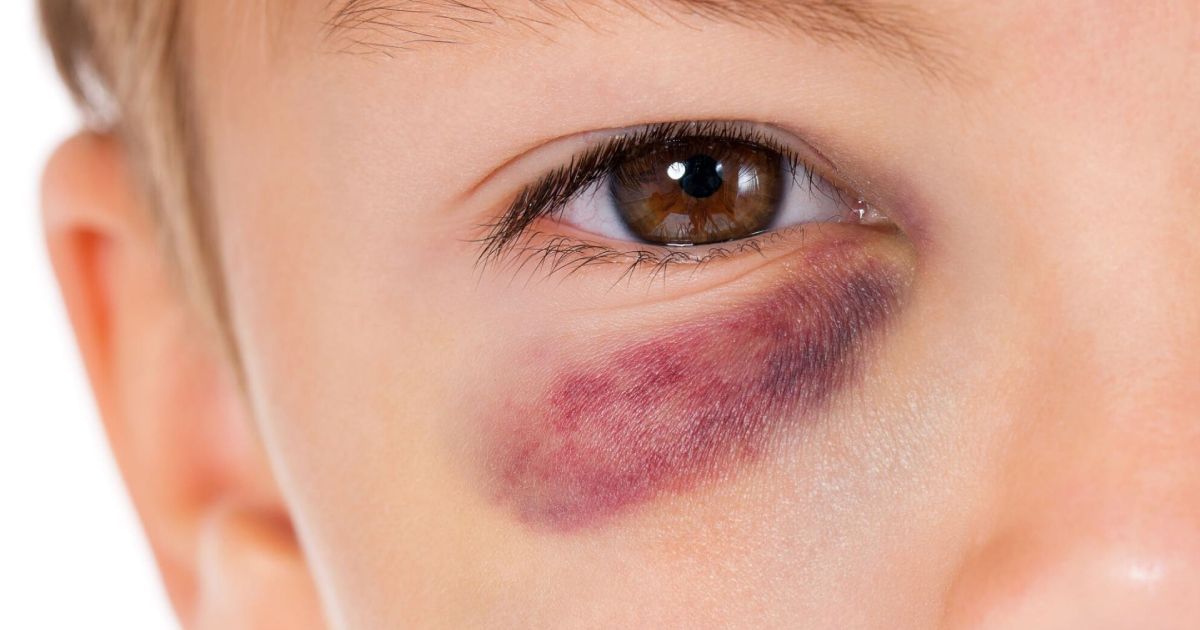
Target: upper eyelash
{"x":552,"y":192}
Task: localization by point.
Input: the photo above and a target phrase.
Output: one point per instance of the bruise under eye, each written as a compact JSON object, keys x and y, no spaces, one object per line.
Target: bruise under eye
{"x":686,"y":406}
{"x":698,"y":192}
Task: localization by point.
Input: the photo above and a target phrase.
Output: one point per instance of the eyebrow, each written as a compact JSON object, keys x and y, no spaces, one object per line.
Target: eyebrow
{"x":891,"y":30}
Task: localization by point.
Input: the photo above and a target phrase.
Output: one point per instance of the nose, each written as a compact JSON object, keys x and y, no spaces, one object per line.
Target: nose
{"x":1088,"y":550}
{"x":1096,"y":517}
{"x":1094,"y":499}
{"x":1095,"y":506}
{"x":1097,"y":524}
{"x":1096,"y":584}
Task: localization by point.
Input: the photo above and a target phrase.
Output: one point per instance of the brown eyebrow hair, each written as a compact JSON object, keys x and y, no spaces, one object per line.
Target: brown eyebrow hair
{"x":892,"y":30}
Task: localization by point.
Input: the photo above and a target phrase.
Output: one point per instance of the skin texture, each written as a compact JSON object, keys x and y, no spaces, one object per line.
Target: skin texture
{"x":704,"y":398}
{"x":1018,"y":448}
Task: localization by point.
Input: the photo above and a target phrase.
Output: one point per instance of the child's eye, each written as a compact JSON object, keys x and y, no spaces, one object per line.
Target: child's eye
{"x":699,"y":192}
{"x":663,"y":192}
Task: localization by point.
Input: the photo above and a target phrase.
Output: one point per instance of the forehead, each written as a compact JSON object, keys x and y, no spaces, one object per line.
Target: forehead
{"x":938,"y":36}
{"x":904,"y":31}
{"x":1061,"y":53}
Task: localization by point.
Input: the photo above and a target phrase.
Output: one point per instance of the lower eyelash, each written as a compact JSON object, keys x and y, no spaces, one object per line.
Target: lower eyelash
{"x":566,"y":255}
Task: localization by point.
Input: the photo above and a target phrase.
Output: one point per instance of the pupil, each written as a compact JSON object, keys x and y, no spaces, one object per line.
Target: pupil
{"x":701,"y":176}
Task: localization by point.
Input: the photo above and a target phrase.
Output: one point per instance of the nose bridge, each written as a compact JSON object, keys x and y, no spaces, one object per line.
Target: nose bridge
{"x":1096,"y":519}
{"x":1110,"y":212}
{"x":1093,"y":517}
{"x":1115,"y":353}
{"x":1115,"y":297}
{"x":1120,"y":339}
{"x":1097,"y":509}
{"x":1104,"y":455}
{"x":1107,"y":433}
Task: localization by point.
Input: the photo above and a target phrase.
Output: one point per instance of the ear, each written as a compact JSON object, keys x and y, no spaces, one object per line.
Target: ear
{"x":171,"y":406}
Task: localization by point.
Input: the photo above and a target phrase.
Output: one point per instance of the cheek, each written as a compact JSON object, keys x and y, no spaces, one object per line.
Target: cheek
{"x":666,"y":414}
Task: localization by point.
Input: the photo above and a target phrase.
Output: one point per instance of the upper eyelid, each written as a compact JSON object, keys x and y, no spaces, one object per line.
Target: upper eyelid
{"x":584,"y":166}
{"x":593,"y":137}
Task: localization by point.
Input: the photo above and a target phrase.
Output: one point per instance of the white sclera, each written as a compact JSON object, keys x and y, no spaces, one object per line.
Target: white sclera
{"x":594,"y":211}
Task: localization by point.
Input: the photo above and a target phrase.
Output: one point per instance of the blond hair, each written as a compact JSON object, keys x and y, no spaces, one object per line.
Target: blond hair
{"x":124,"y":62}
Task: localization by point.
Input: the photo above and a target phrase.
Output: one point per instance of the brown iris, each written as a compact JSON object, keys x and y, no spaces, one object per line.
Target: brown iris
{"x":698,"y":191}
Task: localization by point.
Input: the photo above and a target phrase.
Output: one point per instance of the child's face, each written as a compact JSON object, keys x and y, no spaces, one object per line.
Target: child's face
{"x":971,"y":399}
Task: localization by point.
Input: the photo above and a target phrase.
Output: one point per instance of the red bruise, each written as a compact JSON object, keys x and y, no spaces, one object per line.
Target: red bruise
{"x":673,"y":411}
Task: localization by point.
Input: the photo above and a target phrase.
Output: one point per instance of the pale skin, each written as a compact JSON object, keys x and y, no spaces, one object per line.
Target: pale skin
{"x":1020,"y":449}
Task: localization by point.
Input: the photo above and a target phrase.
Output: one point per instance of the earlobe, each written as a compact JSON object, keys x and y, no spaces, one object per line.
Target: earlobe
{"x":171,"y":407}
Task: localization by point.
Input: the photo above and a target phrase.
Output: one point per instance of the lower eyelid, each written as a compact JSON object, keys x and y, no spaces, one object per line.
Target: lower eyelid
{"x":563,"y":251}
{"x":624,"y":246}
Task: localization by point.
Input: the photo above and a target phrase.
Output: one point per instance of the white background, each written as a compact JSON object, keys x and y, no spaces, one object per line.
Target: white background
{"x":71,"y":550}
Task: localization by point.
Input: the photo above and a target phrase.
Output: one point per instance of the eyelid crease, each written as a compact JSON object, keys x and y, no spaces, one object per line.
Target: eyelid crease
{"x":593,"y":138}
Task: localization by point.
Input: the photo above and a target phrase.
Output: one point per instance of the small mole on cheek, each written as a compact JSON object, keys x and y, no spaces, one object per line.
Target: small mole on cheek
{"x":668,"y":413}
